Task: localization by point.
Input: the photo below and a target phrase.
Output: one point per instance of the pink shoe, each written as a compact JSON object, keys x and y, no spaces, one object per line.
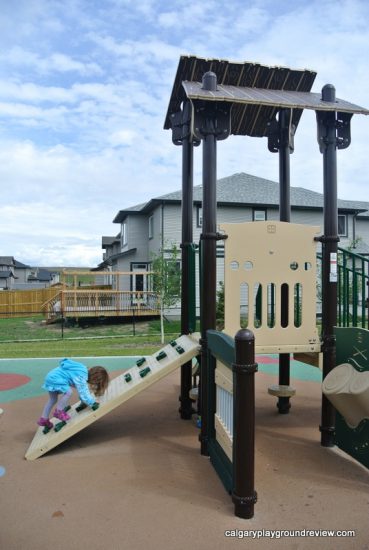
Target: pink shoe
{"x":45,"y":422}
{"x":61,"y":415}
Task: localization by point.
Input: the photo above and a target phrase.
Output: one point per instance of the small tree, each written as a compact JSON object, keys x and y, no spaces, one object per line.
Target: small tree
{"x":166,"y":279}
{"x":220,"y":305}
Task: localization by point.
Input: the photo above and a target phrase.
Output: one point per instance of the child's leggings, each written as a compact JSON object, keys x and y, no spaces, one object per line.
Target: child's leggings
{"x":53,"y":398}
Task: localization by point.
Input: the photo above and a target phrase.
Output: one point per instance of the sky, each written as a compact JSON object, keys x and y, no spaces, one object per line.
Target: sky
{"x":84,"y":90}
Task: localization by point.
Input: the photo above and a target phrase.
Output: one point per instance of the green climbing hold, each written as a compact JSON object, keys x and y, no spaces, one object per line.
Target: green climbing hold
{"x":161,"y":355}
{"x":144,"y":371}
{"x":141,"y":361}
{"x":173,"y":343}
{"x":179,"y":349}
{"x":59,"y":426}
{"x":127,"y":377}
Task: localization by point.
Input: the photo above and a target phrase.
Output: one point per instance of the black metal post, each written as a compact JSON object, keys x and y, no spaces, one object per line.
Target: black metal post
{"x":187,"y":237}
{"x":284,"y":122}
{"x":244,"y":495}
{"x":327,"y":128}
{"x":209,"y":216}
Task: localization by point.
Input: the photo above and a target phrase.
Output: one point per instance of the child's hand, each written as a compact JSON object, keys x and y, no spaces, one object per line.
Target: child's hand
{"x":95,"y":406}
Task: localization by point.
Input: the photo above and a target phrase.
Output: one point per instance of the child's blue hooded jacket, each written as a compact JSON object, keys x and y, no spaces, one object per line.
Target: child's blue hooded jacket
{"x":68,"y":374}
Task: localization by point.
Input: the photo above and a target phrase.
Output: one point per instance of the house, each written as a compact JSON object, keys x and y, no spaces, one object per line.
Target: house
{"x":15,"y":275}
{"x":156,"y":224}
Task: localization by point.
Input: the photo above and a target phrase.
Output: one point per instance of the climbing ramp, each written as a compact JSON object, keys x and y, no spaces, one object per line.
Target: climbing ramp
{"x":146,"y":372}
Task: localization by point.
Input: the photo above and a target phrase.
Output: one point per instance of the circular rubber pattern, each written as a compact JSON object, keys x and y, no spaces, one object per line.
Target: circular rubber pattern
{"x":9,"y":381}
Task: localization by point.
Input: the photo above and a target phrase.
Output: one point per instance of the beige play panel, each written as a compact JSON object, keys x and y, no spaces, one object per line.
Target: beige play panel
{"x":264,"y":260}
{"x":122,"y":388}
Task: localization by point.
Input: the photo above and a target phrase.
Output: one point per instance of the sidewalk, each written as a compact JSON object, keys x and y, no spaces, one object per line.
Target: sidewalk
{"x":136,"y":480}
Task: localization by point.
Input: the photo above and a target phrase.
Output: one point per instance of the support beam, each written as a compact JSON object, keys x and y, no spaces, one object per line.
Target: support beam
{"x":211,"y":123}
{"x":280,"y":138}
{"x":185,"y":409}
{"x":333,"y":133}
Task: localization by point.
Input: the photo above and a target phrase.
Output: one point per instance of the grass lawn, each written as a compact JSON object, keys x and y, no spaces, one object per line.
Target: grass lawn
{"x":31,"y":337}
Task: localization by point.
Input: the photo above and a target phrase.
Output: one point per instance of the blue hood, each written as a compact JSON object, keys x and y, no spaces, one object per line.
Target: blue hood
{"x":73,"y":367}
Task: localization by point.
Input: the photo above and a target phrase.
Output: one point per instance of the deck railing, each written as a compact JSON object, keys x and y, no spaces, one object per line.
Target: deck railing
{"x":96,"y":303}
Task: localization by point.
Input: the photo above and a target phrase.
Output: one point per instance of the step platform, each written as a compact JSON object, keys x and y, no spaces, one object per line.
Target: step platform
{"x":123,"y":387}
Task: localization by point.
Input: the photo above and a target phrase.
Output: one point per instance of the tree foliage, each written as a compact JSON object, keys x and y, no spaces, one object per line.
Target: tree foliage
{"x":166,"y":279}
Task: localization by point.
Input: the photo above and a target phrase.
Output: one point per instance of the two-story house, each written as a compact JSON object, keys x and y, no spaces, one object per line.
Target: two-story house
{"x":156,"y":224}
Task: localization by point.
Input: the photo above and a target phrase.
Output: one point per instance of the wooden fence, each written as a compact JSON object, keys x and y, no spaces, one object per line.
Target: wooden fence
{"x":22,"y":303}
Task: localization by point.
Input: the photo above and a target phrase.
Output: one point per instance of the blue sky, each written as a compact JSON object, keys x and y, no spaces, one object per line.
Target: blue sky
{"x":84,"y":89}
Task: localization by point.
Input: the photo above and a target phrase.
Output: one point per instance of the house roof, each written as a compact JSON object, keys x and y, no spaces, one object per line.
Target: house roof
{"x":6,"y":274}
{"x":7,"y":260}
{"x":42,"y":275}
{"x":109,"y":260}
{"x":19,"y":265}
{"x":108,"y":241}
{"x":244,"y":189}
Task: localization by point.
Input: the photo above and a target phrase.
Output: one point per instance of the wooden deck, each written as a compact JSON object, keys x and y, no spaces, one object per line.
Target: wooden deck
{"x":101,"y":303}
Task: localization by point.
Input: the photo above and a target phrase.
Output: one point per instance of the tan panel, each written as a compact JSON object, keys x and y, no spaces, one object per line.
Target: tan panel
{"x":118,"y":392}
{"x":264,"y":253}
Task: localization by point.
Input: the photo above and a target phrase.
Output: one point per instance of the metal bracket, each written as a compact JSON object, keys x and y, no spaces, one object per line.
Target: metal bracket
{"x":343,"y":130}
{"x":213,"y":236}
{"x":281,"y":135}
{"x":181,"y":126}
{"x":341,"y":122}
{"x":211,"y":118}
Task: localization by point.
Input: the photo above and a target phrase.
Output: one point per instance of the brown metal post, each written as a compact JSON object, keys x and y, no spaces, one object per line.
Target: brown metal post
{"x":284,"y":123}
{"x":244,"y":495}
{"x":327,"y":136}
{"x":185,"y":409}
{"x":212,"y":122}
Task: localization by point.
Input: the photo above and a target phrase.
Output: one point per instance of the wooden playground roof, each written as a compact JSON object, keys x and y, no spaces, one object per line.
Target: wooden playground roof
{"x":257,"y":92}
{"x":270,"y":98}
{"x":246,"y":119}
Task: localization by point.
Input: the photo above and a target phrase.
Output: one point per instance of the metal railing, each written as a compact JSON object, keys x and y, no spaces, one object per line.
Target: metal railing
{"x":353,"y":277}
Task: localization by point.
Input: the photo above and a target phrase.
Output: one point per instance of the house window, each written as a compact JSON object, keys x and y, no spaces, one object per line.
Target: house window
{"x":199,"y":216}
{"x":151,"y":227}
{"x":342,"y":225}
{"x":123,"y":235}
{"x":259,"y":215}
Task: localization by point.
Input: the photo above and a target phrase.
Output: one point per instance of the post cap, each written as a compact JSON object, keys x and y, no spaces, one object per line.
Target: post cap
{"x":209,"y":81}
{"x":329,"y":93}
{"x":244,"y":334}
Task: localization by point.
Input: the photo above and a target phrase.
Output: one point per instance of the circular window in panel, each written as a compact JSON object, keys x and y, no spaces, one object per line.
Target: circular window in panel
{"x":234,"y":265}
{"x":248,"y":265}
{"x":294,"y":266}
{"x":308,"y":266}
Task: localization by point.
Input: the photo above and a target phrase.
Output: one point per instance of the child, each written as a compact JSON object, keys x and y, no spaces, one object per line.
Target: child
{"x":70,"y":374}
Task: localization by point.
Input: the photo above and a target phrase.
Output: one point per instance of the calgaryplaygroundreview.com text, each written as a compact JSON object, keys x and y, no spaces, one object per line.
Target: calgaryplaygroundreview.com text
{"x":281,"y":533}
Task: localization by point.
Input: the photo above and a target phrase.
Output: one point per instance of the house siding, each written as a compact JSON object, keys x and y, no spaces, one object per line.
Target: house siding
{"x":251,"y":192}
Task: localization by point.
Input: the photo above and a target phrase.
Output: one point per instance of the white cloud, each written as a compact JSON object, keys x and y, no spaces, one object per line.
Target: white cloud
{"x":84,"y":89}
{"x":56,"y":62}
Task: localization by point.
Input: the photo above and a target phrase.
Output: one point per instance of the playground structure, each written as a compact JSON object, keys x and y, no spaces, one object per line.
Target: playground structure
{"x":210,"y":100}
{"x":270,"y":267}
